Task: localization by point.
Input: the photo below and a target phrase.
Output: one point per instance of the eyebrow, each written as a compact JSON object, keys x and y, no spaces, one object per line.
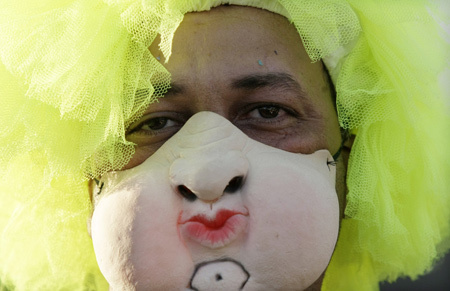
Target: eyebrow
{"x":174,"y":89}
{"x":278,"y":80}
{"x":282,"y":81}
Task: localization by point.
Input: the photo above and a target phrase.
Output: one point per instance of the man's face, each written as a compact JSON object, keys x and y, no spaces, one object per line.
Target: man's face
{"x":247,"y":66}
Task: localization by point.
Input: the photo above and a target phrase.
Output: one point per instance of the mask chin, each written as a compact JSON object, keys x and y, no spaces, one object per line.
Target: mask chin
{"x":213,"y":202}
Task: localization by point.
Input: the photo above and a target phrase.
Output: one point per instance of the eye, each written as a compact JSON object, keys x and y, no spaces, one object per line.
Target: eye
{"x":154,"y":128}
{"x":261,"y":121}
{"x":267,"y":112}
{"x":149,"y":125}
{"x":157,"y":123}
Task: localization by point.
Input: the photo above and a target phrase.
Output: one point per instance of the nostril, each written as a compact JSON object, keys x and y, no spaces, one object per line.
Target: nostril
{"x":186,"y":193}
{"x":234,"y":184}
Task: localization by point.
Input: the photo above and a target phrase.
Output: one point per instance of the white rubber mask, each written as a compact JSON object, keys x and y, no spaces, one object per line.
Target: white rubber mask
{"x":213,"y":209}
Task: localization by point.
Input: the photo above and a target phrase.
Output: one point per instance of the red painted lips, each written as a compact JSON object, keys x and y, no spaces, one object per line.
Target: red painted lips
{"x":217,"y":231}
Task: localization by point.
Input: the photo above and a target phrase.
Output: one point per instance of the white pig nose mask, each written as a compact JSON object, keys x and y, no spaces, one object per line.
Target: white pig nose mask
{"x":211,"y":159}
{"x":214,"y":209}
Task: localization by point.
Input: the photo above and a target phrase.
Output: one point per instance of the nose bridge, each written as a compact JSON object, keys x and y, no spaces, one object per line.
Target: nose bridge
{"x":209,"y":159}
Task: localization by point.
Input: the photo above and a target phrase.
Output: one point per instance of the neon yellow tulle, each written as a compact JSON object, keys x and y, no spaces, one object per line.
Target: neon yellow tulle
{"x":75,"y":73}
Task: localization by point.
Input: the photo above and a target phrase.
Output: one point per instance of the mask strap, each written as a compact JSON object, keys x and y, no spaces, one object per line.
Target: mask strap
{"x":338,"y":153}
{"x":99,"y":185}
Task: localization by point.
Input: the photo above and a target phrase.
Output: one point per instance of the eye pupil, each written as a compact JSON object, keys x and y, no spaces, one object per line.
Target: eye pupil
{"x":269,"y":111}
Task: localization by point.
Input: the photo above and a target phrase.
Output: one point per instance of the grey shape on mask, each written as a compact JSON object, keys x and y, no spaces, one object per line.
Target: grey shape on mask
{"x":222,"y":274}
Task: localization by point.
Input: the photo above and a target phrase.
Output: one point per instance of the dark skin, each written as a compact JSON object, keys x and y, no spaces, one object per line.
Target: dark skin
{"x":260,"y":78}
